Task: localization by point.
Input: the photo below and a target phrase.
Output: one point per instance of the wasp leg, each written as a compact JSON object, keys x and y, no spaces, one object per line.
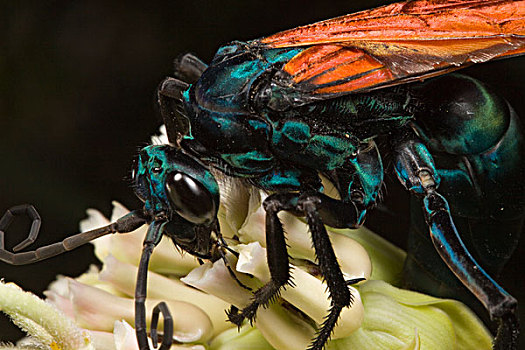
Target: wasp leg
{"x":277,"y":257}
{"x":152,"y":239}
{"x":169,"y":98}
{"x":222,"y":254}
{"x":500,"y":305}
{"x":188,"y":68}
{"x":337,"y":287}
{"x":222,"y":247}
{"x":127,"y":223}
{"x":313,"y":206}
{"x":417,"y":172}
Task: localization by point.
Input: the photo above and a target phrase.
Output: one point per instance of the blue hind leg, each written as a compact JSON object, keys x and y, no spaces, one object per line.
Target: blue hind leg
{"x":417,"y":172}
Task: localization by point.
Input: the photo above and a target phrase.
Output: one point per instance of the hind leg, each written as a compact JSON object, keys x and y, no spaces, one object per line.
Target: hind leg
{"x":478,"y":148}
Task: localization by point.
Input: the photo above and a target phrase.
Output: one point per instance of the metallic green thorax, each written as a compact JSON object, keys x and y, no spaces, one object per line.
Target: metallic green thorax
{"x":248,"y":120}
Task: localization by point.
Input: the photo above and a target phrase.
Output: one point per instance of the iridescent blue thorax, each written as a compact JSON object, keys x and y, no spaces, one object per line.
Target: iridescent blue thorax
{"x":226,"y":85}
{"x":235,"y":126}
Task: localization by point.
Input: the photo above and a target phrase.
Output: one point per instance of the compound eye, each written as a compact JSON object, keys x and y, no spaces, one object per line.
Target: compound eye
{"x":140,"y":185}
{"x":190,"y":199}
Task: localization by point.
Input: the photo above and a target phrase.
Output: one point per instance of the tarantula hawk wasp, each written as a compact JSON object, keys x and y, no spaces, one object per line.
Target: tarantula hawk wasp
{"x":334,"y":98}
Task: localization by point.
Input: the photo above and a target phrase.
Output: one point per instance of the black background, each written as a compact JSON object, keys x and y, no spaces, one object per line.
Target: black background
{"x":77,"y":82}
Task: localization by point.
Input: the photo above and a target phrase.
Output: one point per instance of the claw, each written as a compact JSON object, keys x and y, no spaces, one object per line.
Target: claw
{"x":354,"y":281}
{"x":234,"y":316}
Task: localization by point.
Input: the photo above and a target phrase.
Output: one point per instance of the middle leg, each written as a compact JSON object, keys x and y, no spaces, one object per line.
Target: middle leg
{"x":337,"y":286}
{"x":314,"y":206}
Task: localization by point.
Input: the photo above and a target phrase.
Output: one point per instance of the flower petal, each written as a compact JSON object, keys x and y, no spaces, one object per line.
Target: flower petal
{"x":389,"y":323}
{"x":278,"y":325}
{"x":125,"y":336}
{"x":122,"y":277}
{"x":63,"y":303}
{"x":246,"y":338}
{"x":96,"y":309}
{"x":283,"y":329}
{"x":352,"y":256}
{"x":237,"y":199}
{"x":309,"y":294}
{"x":215,"y":280}
{"x":103,"y":340}
{"x":387,"y":259}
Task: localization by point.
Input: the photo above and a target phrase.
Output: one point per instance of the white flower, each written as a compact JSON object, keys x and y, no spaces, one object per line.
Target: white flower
{"x":97,"y":308}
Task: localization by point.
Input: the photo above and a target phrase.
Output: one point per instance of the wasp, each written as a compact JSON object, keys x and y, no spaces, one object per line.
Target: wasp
{"x":342,"y":98}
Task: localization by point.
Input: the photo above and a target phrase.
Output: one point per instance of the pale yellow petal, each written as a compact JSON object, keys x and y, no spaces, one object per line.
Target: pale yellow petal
{"x":309,"y":294}
{"x":122,"y":276}
{"x":96,"y":309}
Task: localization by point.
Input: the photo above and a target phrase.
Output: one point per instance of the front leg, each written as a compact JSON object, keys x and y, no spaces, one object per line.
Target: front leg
{"x":277,"y":257}
{"x":416,"y":170}
{"x":187,"y":70}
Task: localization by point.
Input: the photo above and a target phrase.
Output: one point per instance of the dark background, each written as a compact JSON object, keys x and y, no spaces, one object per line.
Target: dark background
{"x":77,"y":84}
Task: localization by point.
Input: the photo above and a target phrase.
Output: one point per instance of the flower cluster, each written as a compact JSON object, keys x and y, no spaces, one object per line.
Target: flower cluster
{"x":96,"y":311}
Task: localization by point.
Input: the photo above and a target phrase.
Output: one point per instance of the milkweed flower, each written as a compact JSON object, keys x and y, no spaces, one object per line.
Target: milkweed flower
{"x":97,"y":307}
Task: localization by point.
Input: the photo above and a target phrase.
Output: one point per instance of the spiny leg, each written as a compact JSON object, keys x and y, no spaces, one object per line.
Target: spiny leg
{"x":220,"y":248}
{"x":277,"y":257}
{"x":222,"y":254}
{"x":278,"y":260}
{"x":340,"y":295}
{"x":127,"y":223}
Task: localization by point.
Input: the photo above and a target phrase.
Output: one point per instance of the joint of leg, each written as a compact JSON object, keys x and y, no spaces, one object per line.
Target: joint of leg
{"x":427,"y":180}
{"x":272,"y":205}
{"x":504,"y":308}
{"x":308,"y":202}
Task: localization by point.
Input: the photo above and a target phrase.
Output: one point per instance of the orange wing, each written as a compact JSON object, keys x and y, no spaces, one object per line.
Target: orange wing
{"x":399,"y":43}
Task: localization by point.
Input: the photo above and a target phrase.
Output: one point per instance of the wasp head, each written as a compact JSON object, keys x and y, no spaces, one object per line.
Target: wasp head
{"x":175,"y":185}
